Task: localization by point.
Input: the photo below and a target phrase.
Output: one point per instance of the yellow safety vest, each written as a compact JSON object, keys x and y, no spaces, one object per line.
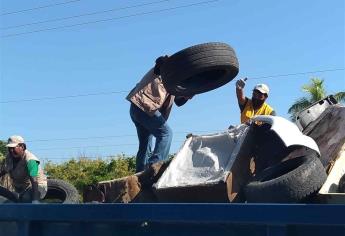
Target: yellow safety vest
{"x":248,"y":111}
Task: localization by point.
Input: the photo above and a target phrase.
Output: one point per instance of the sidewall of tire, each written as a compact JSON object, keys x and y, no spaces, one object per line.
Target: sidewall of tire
{"x":293,"y":186}
{"x":72,"y":195}
{"x":7,"y":194}
{"x":209,"y":57}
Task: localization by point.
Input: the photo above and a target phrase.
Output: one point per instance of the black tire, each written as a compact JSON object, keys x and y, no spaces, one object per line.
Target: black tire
{"x":60,"y":191}
{"x":7,"y":196}
{"x":341,"y":186}
{"x":290,"y":181}
{"x":199,"y":69}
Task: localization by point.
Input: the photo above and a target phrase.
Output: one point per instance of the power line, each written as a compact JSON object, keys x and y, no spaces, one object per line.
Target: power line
{"x":80,"y":138}
{"x":112,"y":136}
{"x":63,"y":97}
{"x":86,"y":14}
{"x":110,"y":19}
{"x":40,"y":7}
{"x":299,"y":73}
{"x":78,"y":158}
{"x":96,"y":146}
{"x":126,"y":91}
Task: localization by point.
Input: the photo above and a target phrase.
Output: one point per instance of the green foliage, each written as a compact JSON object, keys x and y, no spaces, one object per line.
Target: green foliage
{"x":340,"y":97}
{"x":84,"y":171}
{"x":5,"y":180}
{"x":299,"y":105}
{"x":3,"y":149}
{"x":316,"y":91}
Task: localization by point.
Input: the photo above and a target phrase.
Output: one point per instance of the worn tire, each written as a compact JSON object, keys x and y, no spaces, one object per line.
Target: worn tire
{"x":199,"y":69}
{"x":60,"y":191}
{"x":341,"y":186}
{"x":7,"y":196}
{"x":290,"y":181}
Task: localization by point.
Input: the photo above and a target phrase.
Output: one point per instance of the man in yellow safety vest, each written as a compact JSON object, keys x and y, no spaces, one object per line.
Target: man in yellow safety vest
{"x":256,"y":105}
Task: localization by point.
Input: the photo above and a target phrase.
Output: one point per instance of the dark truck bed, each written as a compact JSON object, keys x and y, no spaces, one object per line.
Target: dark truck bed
{"x":172,"y":219}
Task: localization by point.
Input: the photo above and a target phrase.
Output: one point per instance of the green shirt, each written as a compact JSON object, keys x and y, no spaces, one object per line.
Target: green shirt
{"x":32,"y":168}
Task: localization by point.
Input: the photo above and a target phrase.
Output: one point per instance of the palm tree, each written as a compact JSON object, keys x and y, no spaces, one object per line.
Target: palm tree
{"x":316,"y":91}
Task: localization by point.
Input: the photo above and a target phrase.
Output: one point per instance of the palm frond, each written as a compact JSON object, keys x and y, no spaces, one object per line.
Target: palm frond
{"x":340,"y":96}
{"x":299,"y":105}
{"x":315,"y":89}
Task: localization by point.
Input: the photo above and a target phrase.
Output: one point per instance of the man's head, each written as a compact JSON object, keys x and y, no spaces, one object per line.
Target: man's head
{"x":260,"y":94}
{"x":16,"y":146}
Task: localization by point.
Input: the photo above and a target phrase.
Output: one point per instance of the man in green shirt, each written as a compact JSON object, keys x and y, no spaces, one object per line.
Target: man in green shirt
{"x":24,"y":168}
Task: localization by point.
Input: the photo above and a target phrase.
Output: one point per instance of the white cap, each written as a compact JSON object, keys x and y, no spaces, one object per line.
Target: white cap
{"x":14,"y":140}
{"x":263,"y":88}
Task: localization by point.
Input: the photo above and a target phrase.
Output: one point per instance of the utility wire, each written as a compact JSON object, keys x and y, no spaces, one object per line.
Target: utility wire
{"x":37,"y":8}
{"x":63,"y":97}
{"x":95,"y":146}
{"x":94,"y":157}
{"x":86,"y":14}
{"x":77,"y":147}
{"x":110,"y":19}
{"x":81,"y":157}
{"x":81,"y":138}
{"x":112,"y":136}
{"x":117,"y":92}
{"x":299,"y":73}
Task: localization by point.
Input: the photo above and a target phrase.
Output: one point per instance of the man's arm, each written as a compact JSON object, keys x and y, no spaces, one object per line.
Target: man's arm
{"x":33,"y":173}
{"x":35,"y":192}
{"x":240,"y":92}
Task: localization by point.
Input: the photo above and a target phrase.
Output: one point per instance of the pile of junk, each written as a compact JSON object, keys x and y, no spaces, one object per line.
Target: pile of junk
{"x":270,"y":160}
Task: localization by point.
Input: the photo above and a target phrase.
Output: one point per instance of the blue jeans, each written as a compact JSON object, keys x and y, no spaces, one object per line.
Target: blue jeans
{"x":147,"y":128}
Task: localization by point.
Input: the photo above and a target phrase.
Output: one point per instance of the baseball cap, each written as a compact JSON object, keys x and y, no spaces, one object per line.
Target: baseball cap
{"x":263,"y":88}
{"x":14,"y":140}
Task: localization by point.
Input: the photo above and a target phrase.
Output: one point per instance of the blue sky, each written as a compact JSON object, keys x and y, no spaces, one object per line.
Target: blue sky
{"x":270,"y":38}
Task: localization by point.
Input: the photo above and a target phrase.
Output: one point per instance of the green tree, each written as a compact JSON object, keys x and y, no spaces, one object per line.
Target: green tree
{"x":3,"y":149}
{"x":5,"y":180}
{"x":316,"y":91}
{"x":84,"y":171}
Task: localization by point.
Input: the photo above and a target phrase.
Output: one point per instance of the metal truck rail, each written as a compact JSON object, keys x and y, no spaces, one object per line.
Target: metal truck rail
{"x":172,"y":219}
